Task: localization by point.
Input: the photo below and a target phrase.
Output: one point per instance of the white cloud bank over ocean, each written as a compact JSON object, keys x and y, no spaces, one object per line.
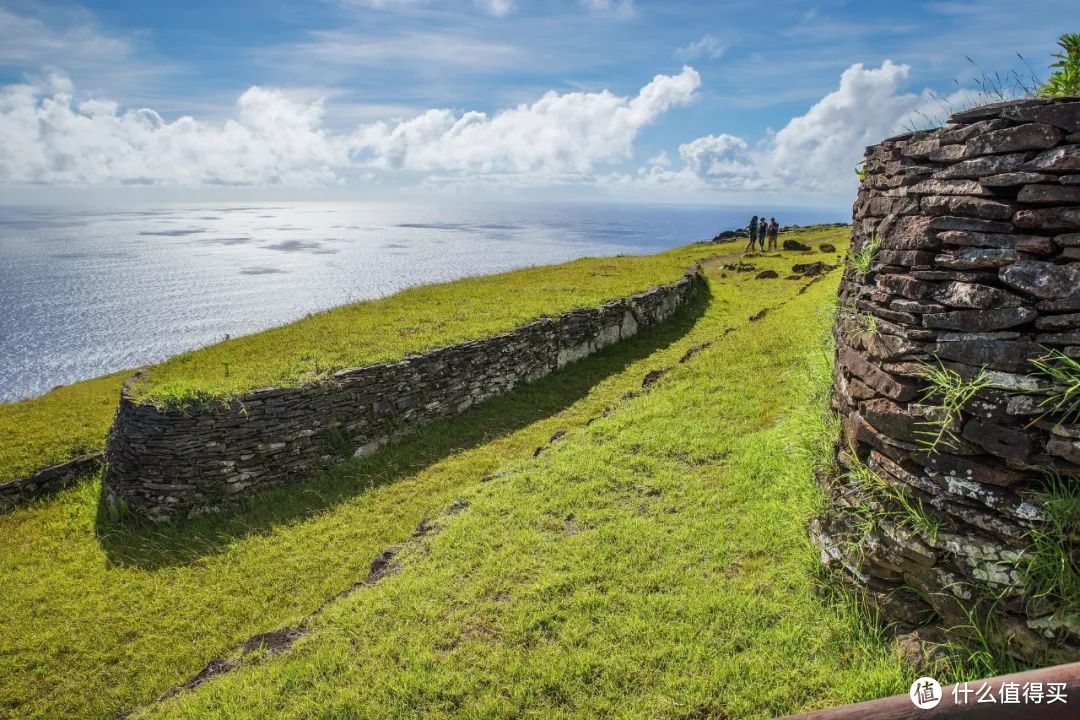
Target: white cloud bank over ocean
{"x":50,"y":137}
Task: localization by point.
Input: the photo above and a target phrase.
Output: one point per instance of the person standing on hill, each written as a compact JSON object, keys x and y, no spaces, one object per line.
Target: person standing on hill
{"x":752,"y":227}
{"x":774,"y":231}
{"x":763,"y":227}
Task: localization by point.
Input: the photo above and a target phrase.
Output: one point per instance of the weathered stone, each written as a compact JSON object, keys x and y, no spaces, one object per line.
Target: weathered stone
{"x":966,"y":206}
{"x":982,"y":307}
{"x":1057,"y":218}
{"x":1058,"y":322}
{"x":1062,"y":115}
{"x":945,"y":222}
{"x":949,"y":187}
{"x":183,"y":461}
{"x":892,"y":420}
{"x":1067,"y":448}
{"x":991,"y":110}
{"x":1015,"y":178}
{"x":1042,"y":279}
{"x":1061,"y":159}
{"x":947,"y":153}
{"x":1031,"y":136}
{"x":964,"y":132}
{"x":919,"y":150}
{"x":981,"y":167}
{"x":794,"y":245}
{"x":827,"y":248}
{"x":1049,"y":194}
{"x":974,"y":258}
{"x":1069,"y":303}
{"x":1000,"y":440}
{"x":975,"y":276}
{"x":980,"y":320}
{"x":874,"y":377}
{"x":766,"y":275}
{"x":882,"y":346}
{"x":1036,"y":244}
{"x":906,"y":258}
{"x":904,"y":232}
{"x":1010,"y":356}
{"x":1068,"y":337}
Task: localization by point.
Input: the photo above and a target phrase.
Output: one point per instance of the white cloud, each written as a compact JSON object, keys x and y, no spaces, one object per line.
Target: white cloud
{"x":568,"y":132}
{"x":718,"y":158}
{"x":660,"y":159}
{"x":89,"y":52}
{"x":708,"y":46}
{"x":498,"y":8}
{"x":815,"y":152}
{"x":49,"y":137}
{"x":617,"y":8}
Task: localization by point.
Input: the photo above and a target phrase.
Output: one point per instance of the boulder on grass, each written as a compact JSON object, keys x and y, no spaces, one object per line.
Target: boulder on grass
{"x":766,"y":275}
{"x":795,"y":245}
{"x":827,"y":248}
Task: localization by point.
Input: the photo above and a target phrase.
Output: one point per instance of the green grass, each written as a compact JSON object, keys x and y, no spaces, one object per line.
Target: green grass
{"x":76,"y":418}
{"x":862,"y":260}
{"x":950,"y":393}
{"x":412,"y":321}
{"x":57,"y":426}
{"x":1051,"y":565}
{"x":654,"y":563}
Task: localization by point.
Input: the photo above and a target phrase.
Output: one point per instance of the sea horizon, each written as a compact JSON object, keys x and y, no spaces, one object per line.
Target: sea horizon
{"x":88,"y":291}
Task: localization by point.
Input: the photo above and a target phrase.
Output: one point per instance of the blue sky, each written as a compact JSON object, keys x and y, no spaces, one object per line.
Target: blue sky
{"x":370,"y":97}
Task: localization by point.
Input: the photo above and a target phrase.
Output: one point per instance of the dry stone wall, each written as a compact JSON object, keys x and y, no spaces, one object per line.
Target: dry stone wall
{"x":972,"y":237}
{"x":168,"y":463}
{"x":47,"y":481}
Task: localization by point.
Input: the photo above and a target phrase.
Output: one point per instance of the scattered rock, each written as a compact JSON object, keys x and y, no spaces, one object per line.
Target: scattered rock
{"x":767,"y":275}
{"x":827,"y":248}
{"x":795,"y":245}
{"x":810,"y":269}
{"x":652,"y":376}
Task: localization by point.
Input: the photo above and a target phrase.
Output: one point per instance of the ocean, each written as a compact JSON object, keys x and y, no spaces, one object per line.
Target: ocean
{"x":84,"y":292}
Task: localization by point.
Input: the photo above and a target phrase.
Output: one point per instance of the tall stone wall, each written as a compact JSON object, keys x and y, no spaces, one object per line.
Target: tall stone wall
{"x":167,"y":463}
{"x":936,"y":503}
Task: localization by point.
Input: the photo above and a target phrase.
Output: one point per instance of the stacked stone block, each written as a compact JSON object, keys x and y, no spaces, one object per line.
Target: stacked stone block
{"x":977,"y":270}
{"x":180,"y":462}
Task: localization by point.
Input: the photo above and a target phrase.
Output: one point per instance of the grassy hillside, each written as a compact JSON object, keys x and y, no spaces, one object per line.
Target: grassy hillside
{"x":652,"y":563}
{"x":57,"y":426}
{"x":73,"y":419}
{"x":411,"y":321}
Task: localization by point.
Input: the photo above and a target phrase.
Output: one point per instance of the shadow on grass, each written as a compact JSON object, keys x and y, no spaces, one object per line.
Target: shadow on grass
{"x":149,"y":546}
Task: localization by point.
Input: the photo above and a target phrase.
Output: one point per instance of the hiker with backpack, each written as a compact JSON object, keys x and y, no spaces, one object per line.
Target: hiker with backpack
{"x":753,"y":229}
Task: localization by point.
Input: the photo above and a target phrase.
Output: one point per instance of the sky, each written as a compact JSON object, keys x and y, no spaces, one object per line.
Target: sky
{"x":624,"y":100}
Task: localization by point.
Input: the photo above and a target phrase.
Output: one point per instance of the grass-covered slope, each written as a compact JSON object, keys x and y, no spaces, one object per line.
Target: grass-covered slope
{"x":412,"y":321}
{"x":55,"y":427}
{"x":74,"y":419}
{"x":651,"y":563}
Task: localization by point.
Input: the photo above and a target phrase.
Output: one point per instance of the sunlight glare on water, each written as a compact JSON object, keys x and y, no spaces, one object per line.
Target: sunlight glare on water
{"x":87,"y":292}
